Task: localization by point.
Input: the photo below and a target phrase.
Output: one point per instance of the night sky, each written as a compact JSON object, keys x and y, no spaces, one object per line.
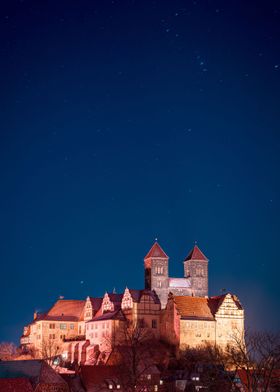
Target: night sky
{"x":123,"y":121}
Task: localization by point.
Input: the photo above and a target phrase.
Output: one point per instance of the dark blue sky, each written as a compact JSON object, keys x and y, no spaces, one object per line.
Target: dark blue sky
{"x":123,"y":121}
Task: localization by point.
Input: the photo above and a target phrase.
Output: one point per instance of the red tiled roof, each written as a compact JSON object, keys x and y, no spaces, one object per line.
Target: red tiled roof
{"x":65,"y":309}
{"x":36,"y":371}
{"x":15,"y":385}
{"x":216,"y":301}
{"x":95,"y":303}
{"x":196,"y":254}
{"x":115,"y":298}
{"x":199,"y":307}
{"x":248,"y":375}
{"x":156,"y":251}
{"x":97,"y":375}
{"x":193,"y":307}
{"x":116,"y":315}
{"x":137,"y":294}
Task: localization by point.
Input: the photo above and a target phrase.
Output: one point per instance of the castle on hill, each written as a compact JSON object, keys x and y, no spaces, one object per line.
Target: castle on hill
{"x":176,"y":310}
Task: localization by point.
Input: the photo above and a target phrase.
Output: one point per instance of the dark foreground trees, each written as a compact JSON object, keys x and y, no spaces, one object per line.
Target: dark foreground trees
{"x":138,"y":355}
{"x":252,"y":364}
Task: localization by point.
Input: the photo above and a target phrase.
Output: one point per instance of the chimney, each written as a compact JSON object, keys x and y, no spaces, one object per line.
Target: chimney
{"x":35,"y":314}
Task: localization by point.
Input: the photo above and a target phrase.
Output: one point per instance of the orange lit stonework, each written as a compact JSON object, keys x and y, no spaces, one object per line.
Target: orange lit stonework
{"x":177,"y":310}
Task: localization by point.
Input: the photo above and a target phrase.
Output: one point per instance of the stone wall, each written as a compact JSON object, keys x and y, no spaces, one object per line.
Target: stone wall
{"x":195,"y":333}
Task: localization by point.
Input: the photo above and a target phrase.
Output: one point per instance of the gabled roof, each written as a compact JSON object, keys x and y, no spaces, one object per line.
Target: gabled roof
{"x":201,"y":308}
{"x":115,"y":298}
{"x":66,"y":309}
{"x":98,"y":375}
{"x":193,"y":307}
{"x":137,"y":294}
{"x":196,"y":254}
{"x":15,"y":385}
{"x":95,"y":303}
{"x":115,"y":315}
{"x":156,"y":251}
{"x":37,"y":371}
{"x":216,"y":301}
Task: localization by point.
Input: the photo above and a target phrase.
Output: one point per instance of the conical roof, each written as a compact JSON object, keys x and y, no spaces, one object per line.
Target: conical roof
{"x":156,"y":251}
{"x":196,"y":254}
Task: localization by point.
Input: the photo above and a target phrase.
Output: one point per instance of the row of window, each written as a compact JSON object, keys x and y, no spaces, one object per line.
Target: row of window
{"x":96,"y":325}
{"x":159,"y":270}
{"x":198,"y":335}
{"x":198,"y":272}
{"x":53,"y":336}
{"x":61,"y":326}
{"x":95,"y":335}
{"x":142,"y":324}
{"x":111,"y":386}
{"x":199,"y":325}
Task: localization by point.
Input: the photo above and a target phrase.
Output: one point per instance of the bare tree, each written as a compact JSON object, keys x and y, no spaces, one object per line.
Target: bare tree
{"x":257,"y":356}
{"x":8,"y":351}
{"x":49,"y":350}
{"x":136,"y":352}
{"x":252,"y":357}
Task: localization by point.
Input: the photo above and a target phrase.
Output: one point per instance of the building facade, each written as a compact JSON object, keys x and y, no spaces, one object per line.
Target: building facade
{"x":193,"y":321}
{"x":177,"y":310}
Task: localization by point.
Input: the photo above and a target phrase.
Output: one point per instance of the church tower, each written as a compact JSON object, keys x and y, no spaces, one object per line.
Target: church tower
{"x":156,"y":272}
{"x":196,"y":269}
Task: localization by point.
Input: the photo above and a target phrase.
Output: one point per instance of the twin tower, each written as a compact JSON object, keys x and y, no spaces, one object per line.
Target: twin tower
{"x":194,"y":283}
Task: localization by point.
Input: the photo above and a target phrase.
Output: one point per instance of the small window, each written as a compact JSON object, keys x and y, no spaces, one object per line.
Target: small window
{"x":154,"y":323}
{"x":141,"y":323}
{"x":63,"y":326}
{"x":71,"y":326}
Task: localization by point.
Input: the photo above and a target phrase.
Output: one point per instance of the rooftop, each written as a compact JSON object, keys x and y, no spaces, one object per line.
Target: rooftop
{"x":196,"y":254}
{"x":156,"y":251}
